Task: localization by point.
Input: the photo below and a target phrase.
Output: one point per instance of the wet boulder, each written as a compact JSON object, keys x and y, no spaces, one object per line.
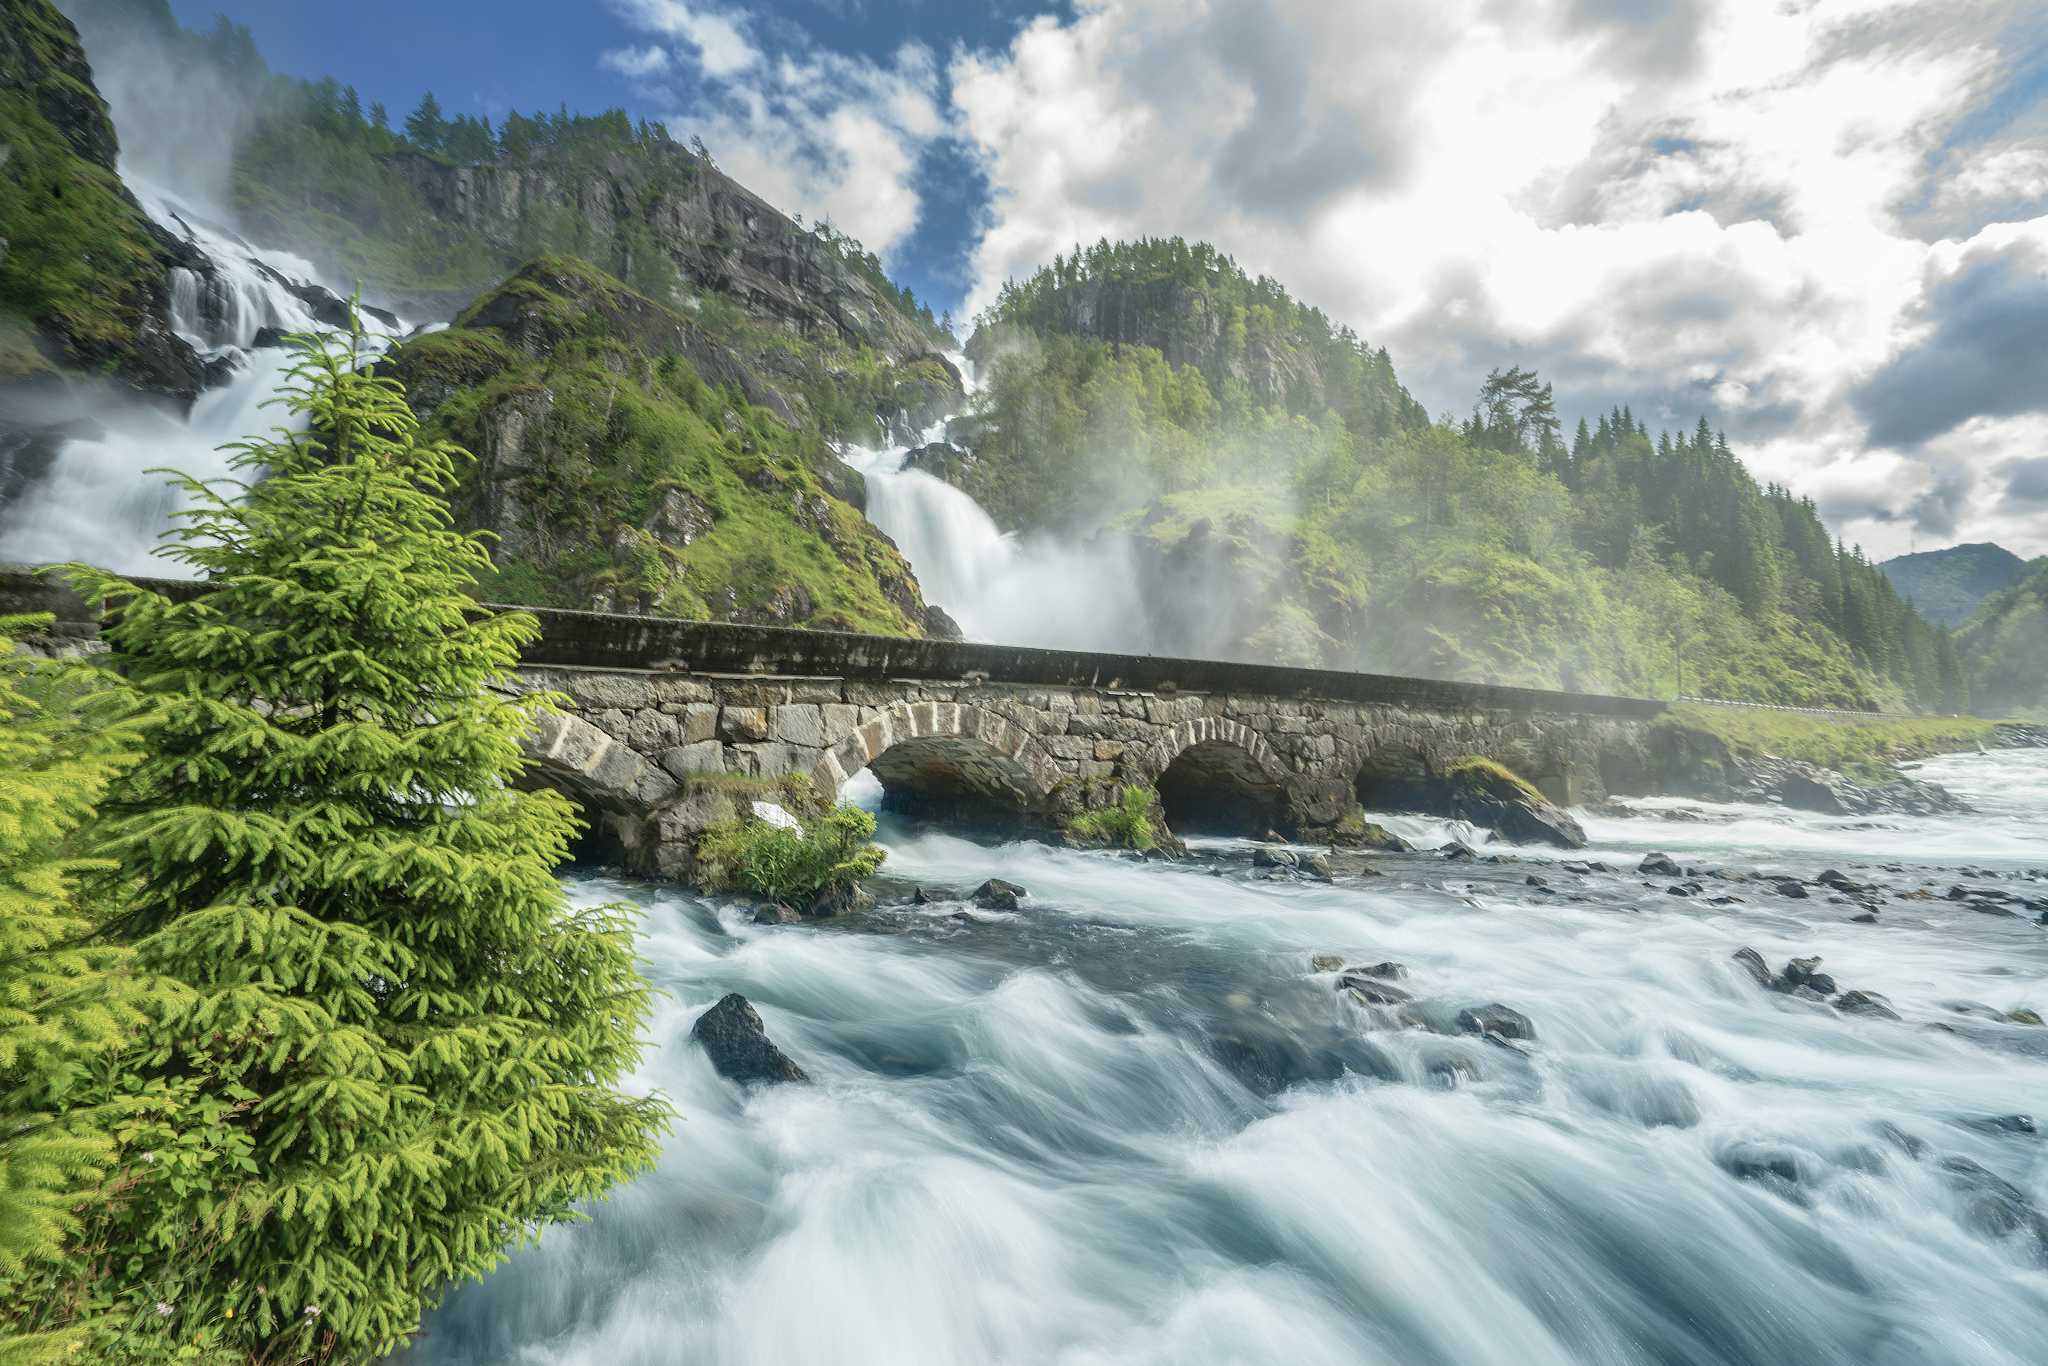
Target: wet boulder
{"x":1993,"y":1206}
{"x":737,"y":1043}
{"x":998,"y":895}
{"x":1371,"y":991}
{"x":776,"y":913}
{"x":1326,"y":962}
{"x":1263,"y":857}
{"x":1865,"y":1003}
{"x":1496,"y":1021}
{"x":1752,"y":962}
{"x":1660,"y":865}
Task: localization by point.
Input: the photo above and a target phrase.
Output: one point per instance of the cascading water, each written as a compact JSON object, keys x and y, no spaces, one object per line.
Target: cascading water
{"x":1019,"y":590}
{"x":1131,"y":1124}
{"x":98,"y":502}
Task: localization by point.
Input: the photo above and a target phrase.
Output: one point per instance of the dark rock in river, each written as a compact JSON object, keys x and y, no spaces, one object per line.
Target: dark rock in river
{"x":1753,"y":963}
{"x":1660,"y":865}
{"x":776,"y":913}
{"x":733,"y":1037}
{"x":998,"y":895}
{"x":838,"y":901}
{"x":1865,"y":1003}
{"x":1368,"y":835}
{"x":1370,"y":991}
{"x":1273,"y":858}
{"x":1496,"y":1020}
{"x":1993,"y":1206}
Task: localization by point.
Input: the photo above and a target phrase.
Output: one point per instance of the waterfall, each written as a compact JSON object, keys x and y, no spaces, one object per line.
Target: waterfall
{"x":1017,"y":590}
{"x":99,"y":501}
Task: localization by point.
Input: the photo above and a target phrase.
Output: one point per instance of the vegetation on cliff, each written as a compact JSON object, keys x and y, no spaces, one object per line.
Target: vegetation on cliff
{"x":2006,"y":644}
{"x":81,"y":272}
{"x":1866,"y":750}
{"x":1290,"y":502}
{"x":381,"y":1046}
{"x":616,"y":475}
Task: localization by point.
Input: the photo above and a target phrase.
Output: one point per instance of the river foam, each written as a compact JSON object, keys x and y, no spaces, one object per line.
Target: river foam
{"x":1130,"y":1124}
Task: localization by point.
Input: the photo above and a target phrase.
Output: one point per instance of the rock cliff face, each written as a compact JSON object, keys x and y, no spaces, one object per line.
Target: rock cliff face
{"x":84,"y":273}
{"x":629,"y":460}
{"x":1183,"y":323}
{"x":717,"y":235}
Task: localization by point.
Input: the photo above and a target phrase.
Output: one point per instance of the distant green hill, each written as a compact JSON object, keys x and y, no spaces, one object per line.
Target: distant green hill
{"x":2005,"y":645}
{"x":1947,"y":585}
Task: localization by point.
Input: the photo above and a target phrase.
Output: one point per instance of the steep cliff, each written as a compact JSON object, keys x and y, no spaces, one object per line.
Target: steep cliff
{"x":84,"y":274}
{"x":662,"y":200}
{"x":629,"y":460}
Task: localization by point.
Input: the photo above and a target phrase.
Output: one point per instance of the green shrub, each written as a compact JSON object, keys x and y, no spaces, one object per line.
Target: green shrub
{"x":831,"y":855}
{"x":1128,"y":824}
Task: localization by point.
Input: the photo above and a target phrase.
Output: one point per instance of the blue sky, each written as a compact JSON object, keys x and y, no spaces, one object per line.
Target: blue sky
{"x":488,"y":56}
{"x":1823,"y":225}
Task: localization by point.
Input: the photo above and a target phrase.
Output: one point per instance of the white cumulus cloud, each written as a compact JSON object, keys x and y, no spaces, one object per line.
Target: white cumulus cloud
{"x":1724,"y":206}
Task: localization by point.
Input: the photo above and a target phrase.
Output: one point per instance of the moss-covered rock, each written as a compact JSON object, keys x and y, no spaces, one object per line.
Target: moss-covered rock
{"x":624,"y":467}
{"x":83,"y":272}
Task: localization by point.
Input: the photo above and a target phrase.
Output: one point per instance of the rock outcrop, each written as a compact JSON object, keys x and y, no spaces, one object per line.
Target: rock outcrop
{"x":720,"y":238}
{"x":81,"y":265}
{"x":619,"y":472}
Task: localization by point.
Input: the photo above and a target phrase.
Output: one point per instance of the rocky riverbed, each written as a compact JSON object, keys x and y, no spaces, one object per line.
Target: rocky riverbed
{"x":1758,"y":1087}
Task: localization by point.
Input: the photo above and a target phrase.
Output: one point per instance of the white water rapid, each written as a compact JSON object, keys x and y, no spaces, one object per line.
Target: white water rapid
{"x":1130,"y":1125}
{"x":99,"y":502}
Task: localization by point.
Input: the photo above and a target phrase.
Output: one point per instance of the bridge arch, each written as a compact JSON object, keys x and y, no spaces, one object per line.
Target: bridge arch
{"x":946,"y":759}
{"x":1216,"y":776}
{"x":616,"y":788}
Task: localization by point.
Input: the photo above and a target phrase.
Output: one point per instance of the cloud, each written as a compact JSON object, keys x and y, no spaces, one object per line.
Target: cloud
{"x":719,"y":38}
{"x":1687,"y":205}
{"x":1985,"y":352}
{"x":637,"y":64}
{"x":2027,"y":481}
{"x":828,"y":135}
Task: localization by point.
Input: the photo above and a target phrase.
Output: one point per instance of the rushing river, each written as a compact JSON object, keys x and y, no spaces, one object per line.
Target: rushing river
{"x":1130,"y":1124}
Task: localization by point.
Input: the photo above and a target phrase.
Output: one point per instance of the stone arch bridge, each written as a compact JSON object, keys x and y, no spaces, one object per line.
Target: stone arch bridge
{"x":669,"y":723}
{"x":667,"y":717}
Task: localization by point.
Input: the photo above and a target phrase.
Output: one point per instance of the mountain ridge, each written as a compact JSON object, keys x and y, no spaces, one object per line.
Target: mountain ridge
{"x":1948,"y":585}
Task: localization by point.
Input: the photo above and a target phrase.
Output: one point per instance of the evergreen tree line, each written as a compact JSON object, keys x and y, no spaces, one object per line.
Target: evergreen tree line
{"x":297,"y":1025}
{"x":1132,"y":381}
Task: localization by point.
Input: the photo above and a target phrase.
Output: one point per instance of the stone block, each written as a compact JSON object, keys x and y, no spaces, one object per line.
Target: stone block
{"x":619,"y":769}
{"x":678,"y":691}
{"x":815,"y":690}
{"x":706,"y":756}
{"x":799,"y":723}
{"x":769,"y":760}
{"x":1068,"y":746}
{"x":599,"y":691}
{"x":696,"y":721}
{"x":651,"y":732}
{"x":840,"y":719}
{"x":1109,"y":749}
{"x":738,"y":724}
{"x":611,"y":721}
{"x":753,"y":694}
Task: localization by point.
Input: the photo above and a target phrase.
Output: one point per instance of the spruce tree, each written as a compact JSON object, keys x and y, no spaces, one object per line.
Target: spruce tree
{"x":66,"y":1000}
{"x":402,"y":1047}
